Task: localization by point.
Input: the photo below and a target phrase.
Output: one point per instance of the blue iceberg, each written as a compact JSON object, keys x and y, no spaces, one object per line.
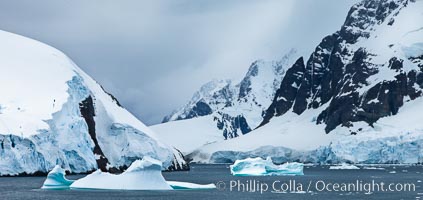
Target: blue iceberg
{"x":143,"y":174}
{"x":56,"y":179}
{"x":261,"y":167}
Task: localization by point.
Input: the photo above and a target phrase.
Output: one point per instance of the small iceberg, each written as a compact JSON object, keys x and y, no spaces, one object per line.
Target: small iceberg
{"x":143,"y":174}
{"x":56,"y":179}
{"x":261,"y":167}
{"x":344,"y":166}
{"x":189,"y":186}
{"x":374,"y":168}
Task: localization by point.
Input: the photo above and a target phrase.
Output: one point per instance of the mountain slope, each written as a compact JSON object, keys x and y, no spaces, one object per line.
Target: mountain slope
{"x":222,"y":110}
{"x":363,"y":71}
{"x":247,"y":100}
{"x":52,"y":113}
{"x":347,"y":101}
{"x":292,"y":137}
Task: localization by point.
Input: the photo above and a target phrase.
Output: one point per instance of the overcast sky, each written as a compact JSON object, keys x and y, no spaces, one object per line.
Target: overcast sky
{"x":153,"y":55}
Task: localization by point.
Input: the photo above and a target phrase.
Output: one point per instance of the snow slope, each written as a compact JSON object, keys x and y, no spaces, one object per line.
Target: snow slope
{"x":52,"y":113}
{"x":394,"y":139}
{"x":200,"y":130}
{"x":222,"y":110}
{"x":356,"y":99}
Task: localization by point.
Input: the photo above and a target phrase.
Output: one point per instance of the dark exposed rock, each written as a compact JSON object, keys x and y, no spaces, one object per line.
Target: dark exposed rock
{"x":87,"y":109}
{"x":287,"y":92}
{"x":328,"y":78}
{"x":111,"y":96}
{"x":395,"y":63}
{"x":176,"y":166}
{"x":230,"y":125}
{"x":245,"y":85}
{"x":417,"y":60}
{"x":200,"y":109}
{"x":364,"y":15}
{"x":12,"y":141}
{"x":88,"y":112}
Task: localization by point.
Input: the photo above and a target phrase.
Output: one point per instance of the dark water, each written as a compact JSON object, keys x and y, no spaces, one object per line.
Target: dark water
{"x":27,"y":187}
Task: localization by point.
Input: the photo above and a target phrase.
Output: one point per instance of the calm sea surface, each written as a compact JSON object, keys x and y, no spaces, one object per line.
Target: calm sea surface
{"x":318,"y":183}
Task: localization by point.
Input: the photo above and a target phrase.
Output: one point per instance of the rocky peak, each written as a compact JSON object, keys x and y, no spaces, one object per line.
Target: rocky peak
{"x":237,"y":109}
{"x":349,"y":76}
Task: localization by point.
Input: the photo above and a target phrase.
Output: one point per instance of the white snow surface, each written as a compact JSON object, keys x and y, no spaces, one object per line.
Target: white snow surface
{"x":145,"y":174}
{"x":402,"y":39}
{"x":262,"y":79}
{"x":176,"y":185}
{"x":260,"y":167}
{"x":393,"y":138}
{"x":188,"y":135}
{"x":40,"y":120}
{"x":293,"y":131}
{"x":397,"y":138}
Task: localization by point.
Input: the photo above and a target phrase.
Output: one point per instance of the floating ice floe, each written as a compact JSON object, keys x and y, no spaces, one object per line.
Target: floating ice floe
{"x":56,"y":179}
{"x":344,"y":166}
{"x":143,"y":174}
{"x":176,"y":185}
{"x":374,"y":168}
{"x":261,"y":167}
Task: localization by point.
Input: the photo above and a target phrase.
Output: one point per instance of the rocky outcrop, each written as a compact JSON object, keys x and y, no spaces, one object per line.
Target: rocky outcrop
{"x":338,"y":74}
{"x":232,"y":126}
{"x":87,"y":110}
{"x":236,"y":109}
{"x":179,"y":163}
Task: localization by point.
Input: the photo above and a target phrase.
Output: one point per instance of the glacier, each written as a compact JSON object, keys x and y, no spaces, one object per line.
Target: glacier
{"x":53,"y":113}
{"x":56,"y":179}
{"x":356,"y":99}
{"x":260,"y":167}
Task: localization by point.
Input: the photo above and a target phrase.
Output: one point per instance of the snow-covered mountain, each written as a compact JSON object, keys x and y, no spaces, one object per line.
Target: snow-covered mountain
{"x":363,"y":71}
{"x":357,"y":97}
{"x":52,"y":113}
{"x":223,"y":110}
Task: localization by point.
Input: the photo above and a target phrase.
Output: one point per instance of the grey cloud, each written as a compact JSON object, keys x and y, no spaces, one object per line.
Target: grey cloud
{"x":152,"y":55}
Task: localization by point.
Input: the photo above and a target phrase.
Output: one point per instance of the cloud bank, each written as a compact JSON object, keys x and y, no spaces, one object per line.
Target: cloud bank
{"x":152,"y":55}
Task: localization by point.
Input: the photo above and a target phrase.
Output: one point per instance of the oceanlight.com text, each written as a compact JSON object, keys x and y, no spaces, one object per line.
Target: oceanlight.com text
{"x":294,"y":186}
